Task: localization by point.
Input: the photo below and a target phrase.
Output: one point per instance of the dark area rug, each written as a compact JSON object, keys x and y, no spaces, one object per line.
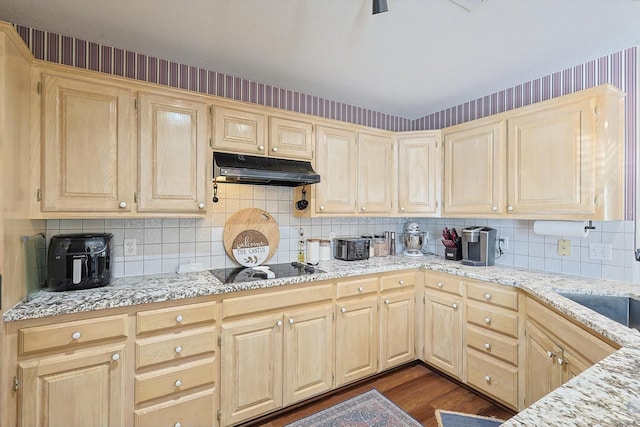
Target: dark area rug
{"x":370,"y":409}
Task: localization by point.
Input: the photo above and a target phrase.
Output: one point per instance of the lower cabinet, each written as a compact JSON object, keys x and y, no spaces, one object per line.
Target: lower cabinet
{"x":443,"y":331}
{"x":397,"y":328}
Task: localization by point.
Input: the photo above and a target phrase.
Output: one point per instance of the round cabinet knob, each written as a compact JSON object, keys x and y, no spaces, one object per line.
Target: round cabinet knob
{"x":386,"y":301}
{"x":321,"y":207}
{"x":487,"y":320}
{"x":509,"y":208}
{"x":279,"y":323}
{"x":487,"y":296}
{"x":550,"y":354}
{"x":274,"y":149}
{"x":291,"y":321}
{"x":494,"y":208}
{"x":178,"y":349}
{"x":363,"y":208}
{"x":487,"y":346}
{"x":360,"y":289}
{"x":178,"y":383}
{"x":201,"y":205}
{"x":343,"y":309}
{"x":75,"y":336}
{"x":179,"y":318}
{"x":560,"y":361}
{"x":261,"y":147}
{"x":402,"y":209}
{"x":115,"y":357}
{"x":440,"y":284}
{"x":401,"y":282}
{"x":487,"y":378}
{"x":454,"y":306}
{"x":123,"y":205}
{"x":177,"y":425}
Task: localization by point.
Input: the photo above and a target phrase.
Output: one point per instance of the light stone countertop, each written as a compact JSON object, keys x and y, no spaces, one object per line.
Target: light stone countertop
{"x":607,"y":394}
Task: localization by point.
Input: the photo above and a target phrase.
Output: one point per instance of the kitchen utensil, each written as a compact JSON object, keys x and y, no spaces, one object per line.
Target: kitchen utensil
{"x":303,"y":203}
{"x":251,"y":236}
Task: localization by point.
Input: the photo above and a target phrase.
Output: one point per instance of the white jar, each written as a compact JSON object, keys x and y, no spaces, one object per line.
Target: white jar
{"x":325,"y":250}
{"x":313,"y":251}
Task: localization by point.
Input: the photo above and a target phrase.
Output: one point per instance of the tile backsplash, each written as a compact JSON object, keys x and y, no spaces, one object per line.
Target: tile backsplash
{"x":162,"y":244}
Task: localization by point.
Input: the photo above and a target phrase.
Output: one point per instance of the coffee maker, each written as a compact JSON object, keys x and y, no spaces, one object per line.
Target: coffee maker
{"x":478,"y":246}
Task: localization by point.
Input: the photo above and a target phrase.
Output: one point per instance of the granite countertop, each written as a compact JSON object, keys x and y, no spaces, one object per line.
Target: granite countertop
{"x":607,"y":394}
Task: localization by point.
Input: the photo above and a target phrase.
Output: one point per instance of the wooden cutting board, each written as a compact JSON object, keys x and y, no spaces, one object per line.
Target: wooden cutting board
{"x":251,"y":236}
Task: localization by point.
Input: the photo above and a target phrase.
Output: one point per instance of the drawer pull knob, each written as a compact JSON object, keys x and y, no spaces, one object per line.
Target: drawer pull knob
{"x":178,"y":318}
{"x":75,"y":336}
{"x":550,"y":354}
{"x":321,"y":207}
{"x":561,"y":361}
{"x":386,"y":301}
{"x":261,"y":147}
{"x":364,"y":208}
{"x":279,"y":323}
{"x":487,"y":296}
{"x":487,"y":378}
{"x":115,"y":357}
{"x":123,"y":205}
{"x":402,"y":209}
{"x":487,"y":346}
{"x":178,"y":349}
{"x":291,"y":321}
{"x":178,"y":424}
{"x":487,"y":320}
{"x":401,"y":282}
{"x":494,"y":208}
{"x":274,"y":149}
{"x":201,"y":205}
{"x":343,"y":309}
{"x":439,"y":284}
{"x":454,"y":306}
{"x":360,"y":289}
{"x":510,"y":208}
{"x":178,"y":383}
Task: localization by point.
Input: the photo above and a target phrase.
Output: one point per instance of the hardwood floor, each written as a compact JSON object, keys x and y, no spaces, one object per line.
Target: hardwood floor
{"x":416,"y":389}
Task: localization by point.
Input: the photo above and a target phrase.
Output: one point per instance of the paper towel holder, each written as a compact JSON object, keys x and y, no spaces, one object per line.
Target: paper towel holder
{"x":589,"y":227}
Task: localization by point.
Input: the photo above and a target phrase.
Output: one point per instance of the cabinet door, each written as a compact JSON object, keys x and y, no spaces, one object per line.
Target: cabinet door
{"x":397,"y":326}
{"x":251,"y":370}
{"x":550,"y":165}
{"x":173,"y":136}
{"x":443,"y":332}
{"x":356,"y":339}
{"x":543,"y":373}
{"x":474,"y":169}
{"x":87,"y":146}
{"x":375,"y":174}
{"x":336,"y":164}
{"x":80,"y":389}
{"x":308,"y":353}
{"x":573,"y":365}
{"x":418,"y":174}
{"x":239,"y":131}
{"x":290,"y":138}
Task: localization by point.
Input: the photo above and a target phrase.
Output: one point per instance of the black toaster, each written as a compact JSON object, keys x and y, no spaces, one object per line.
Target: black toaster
{"x":79,"y":261}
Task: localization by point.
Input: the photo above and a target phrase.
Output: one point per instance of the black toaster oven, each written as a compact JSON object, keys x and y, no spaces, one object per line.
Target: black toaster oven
{"x":79,"y":261}
{"x":351,"y":248}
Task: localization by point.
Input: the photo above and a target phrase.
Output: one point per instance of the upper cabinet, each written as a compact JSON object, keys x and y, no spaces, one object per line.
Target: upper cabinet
{"x":241,"y":129}
{"x":173,"y":142}
{"x":418,"y":173}
{"x":88,"y":145}
{"x":558,"y":159}
{"x":376,"y":174}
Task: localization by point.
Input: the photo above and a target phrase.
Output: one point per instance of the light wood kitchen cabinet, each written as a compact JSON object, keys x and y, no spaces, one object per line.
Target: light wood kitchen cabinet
{"x":238,"y":130}
{"x":474,"y":168}
{"x":557,"y":350}
{"x":290,"y":139}
{"x":88,"y":145}
{"x":173,"y":136}
{"x":443,"y":322}
{"x":418,"y":173}
{"x":397,"y":320}
{"x":281,"y":354}
{"x":376,"y":174}
{"x":336,"y":153}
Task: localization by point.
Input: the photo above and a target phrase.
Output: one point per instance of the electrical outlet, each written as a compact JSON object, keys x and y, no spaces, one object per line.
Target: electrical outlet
{"x":564,"y":247}
{"x":504,"y":242}
{"x":600,"y":251}
{"x":129,"y":247}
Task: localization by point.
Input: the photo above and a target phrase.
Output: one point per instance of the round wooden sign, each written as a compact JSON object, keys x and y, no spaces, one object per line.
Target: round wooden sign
{"x":251,"y":236}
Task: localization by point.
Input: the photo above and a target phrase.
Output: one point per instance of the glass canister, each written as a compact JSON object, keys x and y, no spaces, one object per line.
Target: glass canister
{"x":325,"y":250}
{"x":380,"y":245}
{"x":370,"y":237}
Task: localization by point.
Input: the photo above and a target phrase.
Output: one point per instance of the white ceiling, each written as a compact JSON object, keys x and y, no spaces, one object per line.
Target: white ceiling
{"x":419,"y":57}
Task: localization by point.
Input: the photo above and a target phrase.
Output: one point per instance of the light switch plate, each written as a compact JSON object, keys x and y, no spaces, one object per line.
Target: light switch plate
{"x":564,"y":247}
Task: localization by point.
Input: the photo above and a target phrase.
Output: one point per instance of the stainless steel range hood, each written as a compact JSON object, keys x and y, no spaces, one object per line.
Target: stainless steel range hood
{"x":243,"y":169}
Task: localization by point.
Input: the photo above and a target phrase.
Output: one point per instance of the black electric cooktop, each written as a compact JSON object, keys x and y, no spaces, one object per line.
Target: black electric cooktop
{"x":262,"y":272}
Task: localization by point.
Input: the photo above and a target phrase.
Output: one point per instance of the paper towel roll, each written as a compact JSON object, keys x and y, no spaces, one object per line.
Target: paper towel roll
{"x":561,"y":228}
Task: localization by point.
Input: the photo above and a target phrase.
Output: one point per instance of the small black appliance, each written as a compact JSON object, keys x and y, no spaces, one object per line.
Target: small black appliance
{"x":79,"y":261}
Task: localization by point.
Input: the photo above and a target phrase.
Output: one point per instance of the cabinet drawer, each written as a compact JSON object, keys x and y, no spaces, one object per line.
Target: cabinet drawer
{"x":493,"y":319}
{"x":192,"y":410}
{"x":492,"y":344}
{"x":173,"y":380}
{"x":277,"y":300}
{"x":501,"y":296}
{"x":395,"y":281}
{"x":357,"y":287}
{"x":444,"y":282}
{"x":164,"y":318}
{"x":150,"y":351}
{"x":41,"y":338}
{"x":493,"y":377}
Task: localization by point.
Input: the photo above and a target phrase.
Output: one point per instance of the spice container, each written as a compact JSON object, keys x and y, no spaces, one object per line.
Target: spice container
{"x":325,"y":250}
{"x":380,"y":245}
